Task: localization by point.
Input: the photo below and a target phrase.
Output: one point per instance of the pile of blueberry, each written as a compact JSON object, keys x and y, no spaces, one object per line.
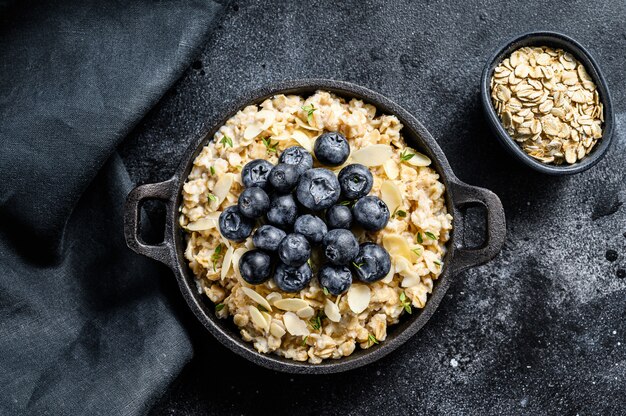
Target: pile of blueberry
{"x":293,"y":196}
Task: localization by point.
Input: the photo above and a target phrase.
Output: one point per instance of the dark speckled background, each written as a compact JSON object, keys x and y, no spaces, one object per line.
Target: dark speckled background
{"x":539,"y":330}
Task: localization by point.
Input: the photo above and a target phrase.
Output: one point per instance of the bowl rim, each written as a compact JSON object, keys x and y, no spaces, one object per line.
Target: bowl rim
{"x":560,"y":40}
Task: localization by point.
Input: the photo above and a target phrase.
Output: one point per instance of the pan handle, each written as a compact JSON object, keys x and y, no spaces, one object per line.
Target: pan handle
{"x":163,"y":191}
{"x":466,"y":195}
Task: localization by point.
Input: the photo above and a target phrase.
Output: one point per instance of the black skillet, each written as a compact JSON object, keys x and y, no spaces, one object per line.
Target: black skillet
{"x":457,"y":259}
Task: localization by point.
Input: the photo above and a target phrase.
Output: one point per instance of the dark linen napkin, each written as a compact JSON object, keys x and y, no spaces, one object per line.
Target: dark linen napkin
{"x":85,"y":325}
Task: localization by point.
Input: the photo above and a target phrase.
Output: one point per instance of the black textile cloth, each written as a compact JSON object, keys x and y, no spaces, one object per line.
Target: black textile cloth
{"x":85,"y":327}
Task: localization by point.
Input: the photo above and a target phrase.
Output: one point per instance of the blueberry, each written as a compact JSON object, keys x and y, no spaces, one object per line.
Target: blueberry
{"x":235,"y":226}
{"x":312,"y":227}
{"x":356,"y":181}
{"x":372,"y":263}
{"x":339,"y":216}
{"x":318,"y":189}
{"x":331,"y":149}
{"x":255,"y":173}
{"x":371,"y":213}
{"x":283,"y":211}
{"x":292,"y":279}
{"x":294,"y":250}
{"x":340,"y":246}
{"x":255,"y":266}
{"x":284,"y":177}
{"x":253,"y":202}
{"x":268,"y":237}
{"x":337,"y":279}
{"x":297,"y":156}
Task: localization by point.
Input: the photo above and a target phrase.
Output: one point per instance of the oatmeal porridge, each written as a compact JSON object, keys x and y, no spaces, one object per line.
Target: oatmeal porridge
{"x":311,"y":323}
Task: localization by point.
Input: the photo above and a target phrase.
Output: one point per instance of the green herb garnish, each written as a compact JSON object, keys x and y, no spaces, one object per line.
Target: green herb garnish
{"x":219,"y":307}
{"x":271,"y":147}
{"x":212,"y":197}
{"x":217,"y":254}
{"x":212,"y":170}
{"x":437,"y":262}
{"x":304,"y":340}
{"x":430,"y":235}
{"x":418,"y":251}
{"x":419,"y":238}
{"x":227,"y":141}
{"x":358,"y":266}
{"x":346,"y":203}
{"x":398,"y":213}
{"x":405,"y":155}
{"x":316,"y":322}
{"x":326,"y":292}
{"x":406,"y":304}
{"x":371,"y":339}
{"x":309,"y":109}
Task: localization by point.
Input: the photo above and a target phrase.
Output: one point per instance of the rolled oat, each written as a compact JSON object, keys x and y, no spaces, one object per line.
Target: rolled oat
{"x":548,"y":104}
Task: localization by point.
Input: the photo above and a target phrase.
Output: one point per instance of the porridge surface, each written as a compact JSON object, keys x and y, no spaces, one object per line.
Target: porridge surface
{"x":312,"y":324}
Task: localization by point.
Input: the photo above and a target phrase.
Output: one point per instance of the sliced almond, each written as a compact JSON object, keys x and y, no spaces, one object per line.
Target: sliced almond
{"x":276,"y":330}
{"x":332,"y":311}
{"x":235,"y":261}
{"x":401,"y":264}
{"x":396,"y":245}
{"x":267,"y":317}
{"x":266,"y":117}
{"x":391,"y":195}
{"x":257,"y":318}
{"x":222,"y":187}
{"x":374,"y":155}
{"x":256,"y":297}
{"x":391,"y":169}
{"x":251,"y":131}
{"x":305,"y":125}
{"x":208,"y":222}
{"x":418,"y":159}
{"x":387,"y":279}
{"x":294,"y":325}
{"x":306,"y":312}
{"x":228,"y":257}
{"x":302,"y":139}
{"x":358,"y":298}
{"x":410,"y":281}
{"x":273,"y":297}
{"x":291,"y":304}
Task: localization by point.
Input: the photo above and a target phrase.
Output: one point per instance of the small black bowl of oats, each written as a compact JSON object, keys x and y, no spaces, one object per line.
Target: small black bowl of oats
{"x":547,"y":102}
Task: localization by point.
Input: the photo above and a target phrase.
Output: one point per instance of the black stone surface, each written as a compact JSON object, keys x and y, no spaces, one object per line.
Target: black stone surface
{"x":539,"y":330}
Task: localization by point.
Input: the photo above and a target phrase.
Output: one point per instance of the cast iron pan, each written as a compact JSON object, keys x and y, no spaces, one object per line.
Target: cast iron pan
{"x":458,"y":257}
